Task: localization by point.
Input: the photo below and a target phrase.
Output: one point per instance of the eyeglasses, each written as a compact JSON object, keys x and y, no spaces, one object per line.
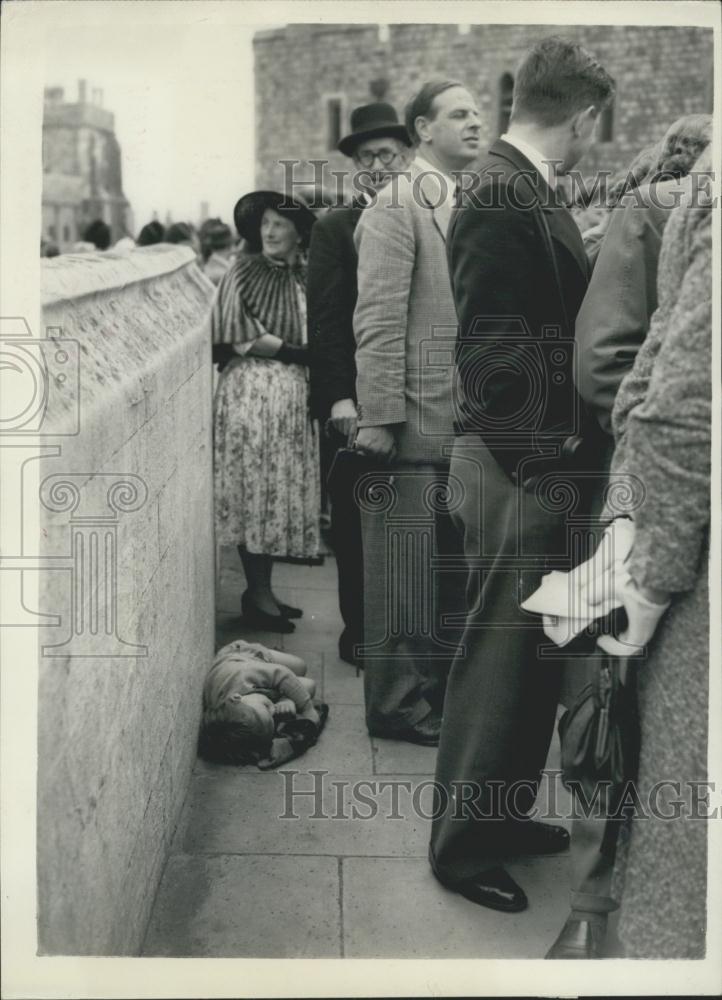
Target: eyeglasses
{"x":385,"y":156}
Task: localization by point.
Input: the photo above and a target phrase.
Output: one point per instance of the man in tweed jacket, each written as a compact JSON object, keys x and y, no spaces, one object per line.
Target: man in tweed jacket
{"x":405,"y":327}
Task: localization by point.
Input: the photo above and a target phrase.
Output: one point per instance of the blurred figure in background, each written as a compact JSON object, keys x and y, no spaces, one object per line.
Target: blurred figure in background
{"x":668,"y":159}
{"x":216,"y":248}
{"x":152,"y":233}
{"x":622,"y":295}
{"x":98,"y":233}
{"x":124,"y":245}
{"x":48,"y":249}
{"x":183,"y":234}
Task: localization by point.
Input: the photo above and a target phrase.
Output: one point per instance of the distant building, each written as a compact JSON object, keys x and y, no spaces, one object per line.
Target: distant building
{"x":322,"y":71}
{"x":82,"y":178}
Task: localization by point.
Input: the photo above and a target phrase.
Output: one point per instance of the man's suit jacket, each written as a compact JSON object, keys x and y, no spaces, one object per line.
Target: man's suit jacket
{"x":331,"y":292}
{"x":404,"y":307}
{"x":614,"y":317}
{"x":515,"y":371}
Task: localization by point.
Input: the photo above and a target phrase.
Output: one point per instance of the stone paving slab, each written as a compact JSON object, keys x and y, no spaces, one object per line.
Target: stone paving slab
{"x":230,"y":627}
{"x":250,"y":907}
{"x":395,"y":908}
{"x":234,"y":811}
{"x":341,"y":685}
{"x":344,"y":747}
{"x":305,"y":577}
{"x":397,"y":757}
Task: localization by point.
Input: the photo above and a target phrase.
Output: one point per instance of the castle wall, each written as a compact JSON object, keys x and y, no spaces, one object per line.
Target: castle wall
{"x":661,"y":74}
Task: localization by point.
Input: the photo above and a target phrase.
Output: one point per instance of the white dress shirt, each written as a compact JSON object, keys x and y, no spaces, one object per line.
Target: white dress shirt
{"x":537,"y":159}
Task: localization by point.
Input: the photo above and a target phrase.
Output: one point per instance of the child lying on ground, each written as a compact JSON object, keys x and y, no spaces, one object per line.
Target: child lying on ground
{"x":254,"y":701}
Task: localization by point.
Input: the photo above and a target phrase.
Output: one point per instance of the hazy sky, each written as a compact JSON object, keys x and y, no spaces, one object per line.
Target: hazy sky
{"x":183,"y":103}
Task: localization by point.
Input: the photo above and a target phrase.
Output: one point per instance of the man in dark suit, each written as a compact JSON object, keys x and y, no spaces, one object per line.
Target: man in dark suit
{"x":519,"y":273}
{"x":379,"y":145}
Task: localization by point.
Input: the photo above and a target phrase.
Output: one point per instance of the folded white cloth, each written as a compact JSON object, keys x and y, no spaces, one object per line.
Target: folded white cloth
{"x":570,"y":602}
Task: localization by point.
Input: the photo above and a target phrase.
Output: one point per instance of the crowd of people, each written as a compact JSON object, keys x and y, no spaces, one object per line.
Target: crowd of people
{"x":486,"y":369}
{"x":478,"y":369}
{"x":212,"y":242}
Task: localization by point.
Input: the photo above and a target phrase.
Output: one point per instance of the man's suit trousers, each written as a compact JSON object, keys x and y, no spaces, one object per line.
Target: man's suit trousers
{"x":413,"y":582}
{"x":504,"y":684}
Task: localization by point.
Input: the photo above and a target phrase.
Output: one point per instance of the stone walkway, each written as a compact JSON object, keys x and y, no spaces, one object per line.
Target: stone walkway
{"x":243,"y":882}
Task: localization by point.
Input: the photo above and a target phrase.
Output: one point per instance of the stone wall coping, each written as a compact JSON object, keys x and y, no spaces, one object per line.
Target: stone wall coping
{"x":75,"y":275}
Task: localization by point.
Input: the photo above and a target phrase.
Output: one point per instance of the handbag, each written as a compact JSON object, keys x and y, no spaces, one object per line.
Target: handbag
{"x":348,"y":465}
{"x":599,"y":733}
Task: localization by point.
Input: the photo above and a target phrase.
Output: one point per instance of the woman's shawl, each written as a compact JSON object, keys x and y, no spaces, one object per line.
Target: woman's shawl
{"x":257,"y":295}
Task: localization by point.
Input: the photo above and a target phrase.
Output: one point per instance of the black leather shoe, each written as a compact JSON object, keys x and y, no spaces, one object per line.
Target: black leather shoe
{"x":580,"y":939}
{"x":425,"y":733}
{"x":530,"y":837}
{"x":256,"y":618}
{"x":494,"y":888}
{"x":287,"y":611}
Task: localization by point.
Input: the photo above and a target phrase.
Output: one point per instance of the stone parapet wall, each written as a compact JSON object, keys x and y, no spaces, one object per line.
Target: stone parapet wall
{"x":126,"y":543}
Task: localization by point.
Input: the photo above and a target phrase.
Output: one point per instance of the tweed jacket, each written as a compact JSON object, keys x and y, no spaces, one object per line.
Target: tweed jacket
{"x":405,"y":322}
{"x":515,"y":349}
{"x":662,"y":420}
{"x":331,"y":293}
{"x":614,"y":317}
{"x":662,"y":415}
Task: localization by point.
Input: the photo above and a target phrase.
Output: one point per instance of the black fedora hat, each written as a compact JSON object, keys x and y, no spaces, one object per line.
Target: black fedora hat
{"x":249,"y":210}
{"x":370,"y":121}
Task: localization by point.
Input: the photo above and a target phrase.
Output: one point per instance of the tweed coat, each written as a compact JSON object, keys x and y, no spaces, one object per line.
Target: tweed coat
{"x":662,"y":423}
{"x":405,"y":319}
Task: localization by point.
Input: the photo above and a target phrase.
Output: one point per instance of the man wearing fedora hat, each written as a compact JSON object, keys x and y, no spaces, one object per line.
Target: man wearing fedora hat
{"x":379,"y":146}
{"x":405,"y":324}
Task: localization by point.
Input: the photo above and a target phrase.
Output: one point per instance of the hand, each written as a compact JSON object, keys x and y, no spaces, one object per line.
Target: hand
{"x":284,"y":709}
{"x":653,"y":596}
{"x":643,"y":617}
{"x":379,"y":442}
{"x":344,"y":418}
{"x":597,"y":576}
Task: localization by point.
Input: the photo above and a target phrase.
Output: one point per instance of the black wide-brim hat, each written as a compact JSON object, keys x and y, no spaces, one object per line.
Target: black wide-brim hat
{"x":371,"y":121}
{"x":249,"y":210}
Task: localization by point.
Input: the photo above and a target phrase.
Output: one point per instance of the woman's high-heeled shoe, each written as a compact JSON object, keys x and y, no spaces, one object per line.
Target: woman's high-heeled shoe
{"x":287,"y":611}
{"x":254,"y":616}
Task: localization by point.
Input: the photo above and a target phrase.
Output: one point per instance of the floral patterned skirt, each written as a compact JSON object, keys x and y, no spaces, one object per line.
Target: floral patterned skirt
{"x":267,"y":478}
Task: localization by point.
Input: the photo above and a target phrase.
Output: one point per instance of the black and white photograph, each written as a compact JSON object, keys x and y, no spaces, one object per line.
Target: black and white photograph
{"x":360,"y":536}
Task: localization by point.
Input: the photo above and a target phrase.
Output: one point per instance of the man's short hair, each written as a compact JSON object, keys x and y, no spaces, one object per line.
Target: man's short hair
{"x":556,"y":79}
{"x":421,"y":104}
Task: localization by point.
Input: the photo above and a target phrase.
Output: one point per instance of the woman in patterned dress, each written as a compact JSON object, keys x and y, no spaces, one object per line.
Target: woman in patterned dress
{"x":267,"y":490}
